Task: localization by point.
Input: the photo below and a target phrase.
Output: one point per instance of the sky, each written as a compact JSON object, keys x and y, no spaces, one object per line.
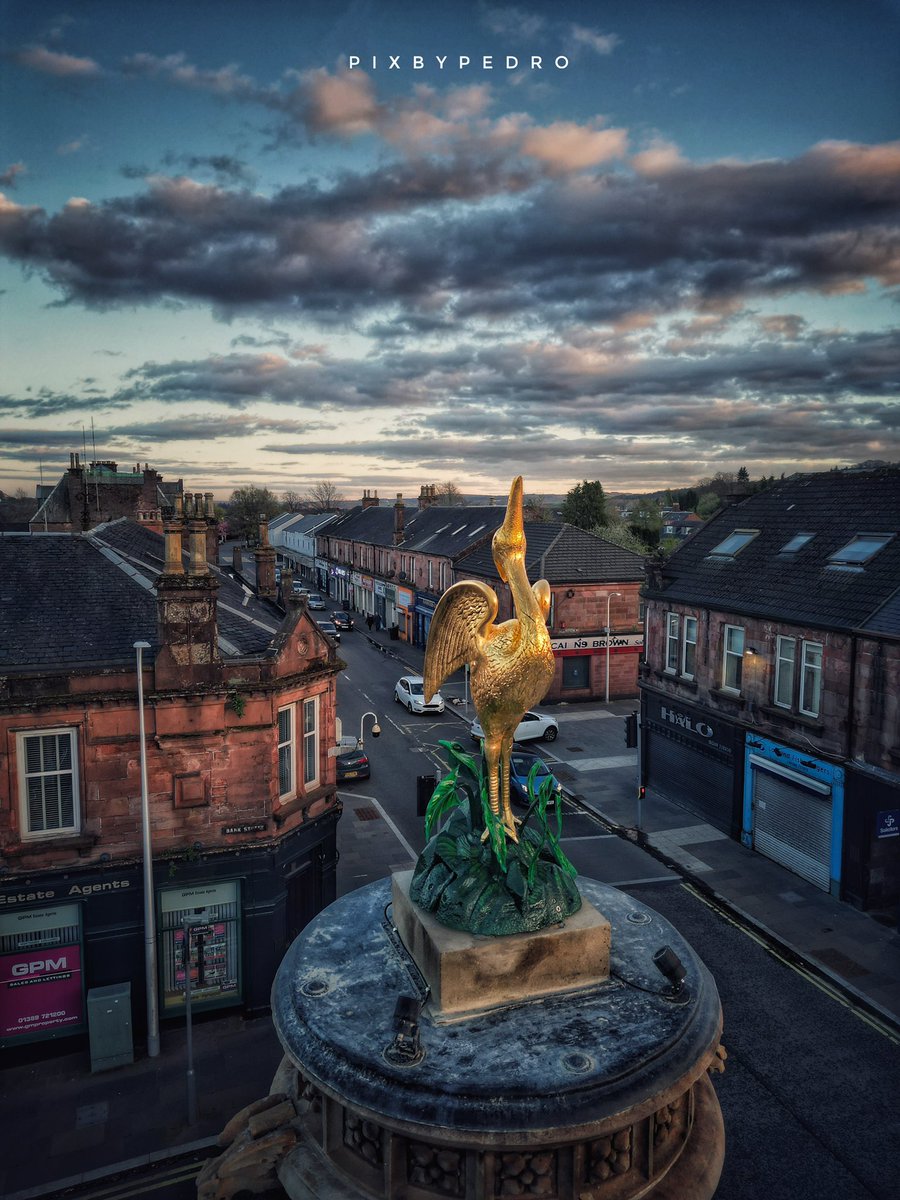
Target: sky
{"x":273,"y":243}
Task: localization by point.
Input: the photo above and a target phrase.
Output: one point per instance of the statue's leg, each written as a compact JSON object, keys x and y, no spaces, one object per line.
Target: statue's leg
{"x":492,"y":748}
{"x":506,"y":808}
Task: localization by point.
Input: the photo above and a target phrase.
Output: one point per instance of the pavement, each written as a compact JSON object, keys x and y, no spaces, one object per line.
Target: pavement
{"x":64,"y":1126}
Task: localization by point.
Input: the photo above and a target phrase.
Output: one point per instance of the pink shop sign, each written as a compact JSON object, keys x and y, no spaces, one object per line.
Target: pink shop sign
{"x":40,"y":990}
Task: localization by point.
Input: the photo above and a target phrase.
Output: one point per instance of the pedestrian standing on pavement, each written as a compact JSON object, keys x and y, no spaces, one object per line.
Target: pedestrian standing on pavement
{"x":370,"y":621}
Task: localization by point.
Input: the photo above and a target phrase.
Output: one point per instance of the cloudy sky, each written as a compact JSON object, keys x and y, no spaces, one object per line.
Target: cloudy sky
{"x":386,"y":243}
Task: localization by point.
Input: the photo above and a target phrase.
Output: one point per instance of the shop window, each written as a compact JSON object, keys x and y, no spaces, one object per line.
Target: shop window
{"x":287,"y":769}
{"x":785,"y":662}
{"x":48,"y":782}
{"x":733,"y":658}
{"x":311,"y":741}
{"x":811,"y":679}
{"x":40,"y":973}
{"x":576,"y":671}
{"x":209,"y":949}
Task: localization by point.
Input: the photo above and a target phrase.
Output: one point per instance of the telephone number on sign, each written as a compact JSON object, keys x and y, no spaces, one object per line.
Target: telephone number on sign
{"x":47,"y":1016}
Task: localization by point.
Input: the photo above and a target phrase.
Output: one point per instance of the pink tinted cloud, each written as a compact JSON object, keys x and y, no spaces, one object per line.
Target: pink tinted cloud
{"x":50,"y":62}
{"x":567,"y":146}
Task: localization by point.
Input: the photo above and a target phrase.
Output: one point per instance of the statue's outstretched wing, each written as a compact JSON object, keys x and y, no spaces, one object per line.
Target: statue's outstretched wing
{"x":463,"y":615}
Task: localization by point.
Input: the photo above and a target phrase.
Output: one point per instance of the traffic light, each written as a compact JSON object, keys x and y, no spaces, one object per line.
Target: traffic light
{"x":631,"y":730}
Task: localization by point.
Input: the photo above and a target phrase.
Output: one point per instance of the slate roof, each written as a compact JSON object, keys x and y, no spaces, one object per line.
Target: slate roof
{"x":373,"y":525}
{"x":62,"y":603}
{"x":450,"y":530}
{"x":75,"y":599}
{"x":441,"y":529}
{"x":246,"y":624}
{"x":563,"y":554}
{"x":801,"y":588}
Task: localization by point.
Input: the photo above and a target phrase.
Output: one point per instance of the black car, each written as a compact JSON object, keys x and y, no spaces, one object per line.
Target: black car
{"x":352,"y":765}
{"x":342,"y":620}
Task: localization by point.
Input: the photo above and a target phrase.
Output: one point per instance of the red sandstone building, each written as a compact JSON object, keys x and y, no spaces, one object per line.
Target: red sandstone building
{"x":771,"y":688}
{"x":595,"y":609}
{"x":239,"y":705}
{"x":94,"y":493}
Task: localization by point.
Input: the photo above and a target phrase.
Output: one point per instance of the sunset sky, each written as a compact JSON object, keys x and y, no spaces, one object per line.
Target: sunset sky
{"x":249,"y":254}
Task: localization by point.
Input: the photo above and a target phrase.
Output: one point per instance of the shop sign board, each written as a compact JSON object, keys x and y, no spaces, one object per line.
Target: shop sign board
{"x":887,"y":824}
{"x":40,"y":979}
{"x":595,"y":643}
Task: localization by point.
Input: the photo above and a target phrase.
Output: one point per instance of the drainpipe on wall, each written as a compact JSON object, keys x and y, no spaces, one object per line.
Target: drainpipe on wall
{"x":149,"y":896}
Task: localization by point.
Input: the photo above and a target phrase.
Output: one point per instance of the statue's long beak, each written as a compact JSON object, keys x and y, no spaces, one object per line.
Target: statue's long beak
{"x":510,"y":537}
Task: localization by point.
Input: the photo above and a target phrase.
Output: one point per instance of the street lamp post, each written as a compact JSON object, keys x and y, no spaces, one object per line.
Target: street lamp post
{"x":609,"y":596}
{"x":149,"y":898}
{"x":376,"y":728}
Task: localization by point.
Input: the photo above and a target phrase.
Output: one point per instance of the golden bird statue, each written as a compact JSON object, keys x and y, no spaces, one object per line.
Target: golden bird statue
{"x":511,"y":664}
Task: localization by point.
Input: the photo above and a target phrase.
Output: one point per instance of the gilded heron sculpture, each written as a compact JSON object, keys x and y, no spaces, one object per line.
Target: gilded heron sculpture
{"x":511,"y":664}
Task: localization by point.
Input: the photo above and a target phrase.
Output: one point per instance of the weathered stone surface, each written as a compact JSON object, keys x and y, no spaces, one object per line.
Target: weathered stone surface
{"x":467,"y":973}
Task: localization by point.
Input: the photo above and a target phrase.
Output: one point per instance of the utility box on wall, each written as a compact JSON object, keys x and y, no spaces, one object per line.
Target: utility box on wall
{"x":109,"y":1026}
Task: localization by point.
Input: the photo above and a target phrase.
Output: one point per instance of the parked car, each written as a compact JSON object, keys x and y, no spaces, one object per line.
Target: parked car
{"x":533,"y":727}
{"x":352,"y":765}
{"x":520,"y":764}
{"x":410,"y":692}
{"x":298,"y":588}
{"x":329,"y":628}
{"x":314,"y":600}
{"x":342,"y":620}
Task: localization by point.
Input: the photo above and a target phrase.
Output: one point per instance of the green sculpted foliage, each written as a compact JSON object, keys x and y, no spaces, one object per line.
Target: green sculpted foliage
{"x":472,"y":878}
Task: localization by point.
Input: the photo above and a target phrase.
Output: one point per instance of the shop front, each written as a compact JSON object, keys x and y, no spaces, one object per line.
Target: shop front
{"x":339,"y":586}
{"x":70,"y":931}
{"x":581,"y":664}
{"x":323,"y":581}
{"x":385,"y":598}
{"x":423,"y":612}
{"x":689,"y":756}
{"x":404,"y":618}
{"x":794,"y":811}
{"x":363,"y":593}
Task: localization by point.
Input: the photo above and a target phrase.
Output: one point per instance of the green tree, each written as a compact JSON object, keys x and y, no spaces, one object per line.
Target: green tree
{"x":645,"y":521}
{"x":585,"y":505}
{"x":621,"y":535}
{"x":743,"y":475}
{"x":707,"y":505}
{"x":245,"y":509}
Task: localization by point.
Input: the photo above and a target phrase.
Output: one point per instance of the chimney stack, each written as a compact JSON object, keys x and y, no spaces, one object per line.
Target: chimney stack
{"x":399,"y":519}
{"x":186,"y":609}
{"x":265,"y":562}
{"x":370,"y":501}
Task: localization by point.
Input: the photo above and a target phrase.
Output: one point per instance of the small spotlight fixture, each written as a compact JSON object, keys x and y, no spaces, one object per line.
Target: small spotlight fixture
{"x":669,"y":964}
{"x":405,"y":1050}
{"x":752,"y":651}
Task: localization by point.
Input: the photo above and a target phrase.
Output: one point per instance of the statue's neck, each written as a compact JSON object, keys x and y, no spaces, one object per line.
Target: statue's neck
{"x":524,"y":599}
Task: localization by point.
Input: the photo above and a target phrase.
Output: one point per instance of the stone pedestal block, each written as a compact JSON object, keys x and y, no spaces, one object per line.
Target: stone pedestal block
{"x":467,"y":973}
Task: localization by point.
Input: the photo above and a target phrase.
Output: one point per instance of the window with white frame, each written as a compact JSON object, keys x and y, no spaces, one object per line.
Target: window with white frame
{"x":811,"y":679}
{"x":311,"y":741}
{"x":733,"y":658}
{"x":785,"y":671}
{"x":672,"y":624}
{"x":48,"y":782}
{"x":287,"y":758}
{"x":689,"y":648}
{"x":430,"y":574}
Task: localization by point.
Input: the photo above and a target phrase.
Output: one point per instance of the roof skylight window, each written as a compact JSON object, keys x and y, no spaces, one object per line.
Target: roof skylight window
{"x":858,"y":551}
{"x":797,"y":542}
{"x":734,"y":543}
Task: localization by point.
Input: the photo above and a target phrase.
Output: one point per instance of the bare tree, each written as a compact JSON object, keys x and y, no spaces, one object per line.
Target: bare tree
{"x":324,"y":495}
{"x":292,"y":501}
{"x":535,"y":508}
{"x":449,"y":493}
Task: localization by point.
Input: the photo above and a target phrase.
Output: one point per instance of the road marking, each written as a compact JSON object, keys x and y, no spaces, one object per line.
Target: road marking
{"x":588,"y":837}
{"x":672,"y":877}
{"x":388,"y":821}
{"x":610,"y":762}
{"x":584,"y":716}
